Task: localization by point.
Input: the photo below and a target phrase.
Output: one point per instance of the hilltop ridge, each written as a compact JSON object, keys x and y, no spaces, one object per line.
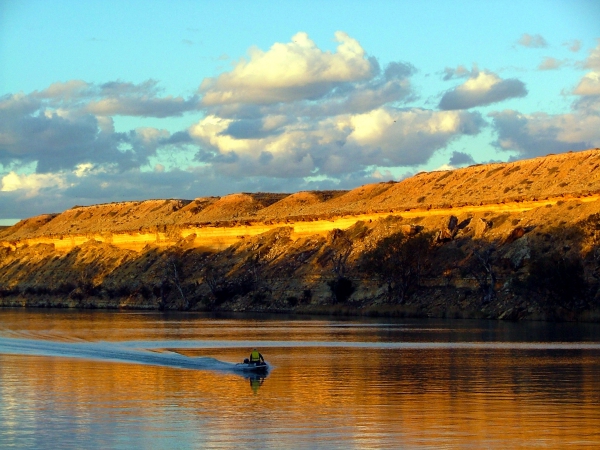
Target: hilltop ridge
{"x":564,"y":175}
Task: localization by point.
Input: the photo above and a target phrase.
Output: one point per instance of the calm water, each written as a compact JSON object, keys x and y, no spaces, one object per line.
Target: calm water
{"x":118,"y":380}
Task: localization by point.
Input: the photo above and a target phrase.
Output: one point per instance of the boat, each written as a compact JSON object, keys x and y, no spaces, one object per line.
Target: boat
{"x":254,"y":367}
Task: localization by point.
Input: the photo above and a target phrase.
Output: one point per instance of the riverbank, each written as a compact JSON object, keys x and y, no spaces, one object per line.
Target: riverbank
{"x":440,"y":303}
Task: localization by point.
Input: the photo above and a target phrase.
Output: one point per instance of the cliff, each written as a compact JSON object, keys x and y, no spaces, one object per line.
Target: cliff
{"x":288,"y":252}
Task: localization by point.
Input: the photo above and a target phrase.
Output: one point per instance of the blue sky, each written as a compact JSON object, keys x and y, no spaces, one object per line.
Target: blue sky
{"x":105,"y":101}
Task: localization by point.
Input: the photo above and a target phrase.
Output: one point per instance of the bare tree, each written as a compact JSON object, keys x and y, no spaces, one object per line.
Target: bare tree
{"x":341,"y":286}
{"x":214,"y":277}
{"x":339,"y":257}
{"x":398,"y":261}
{"x":482,"y":267}
{"x":172,"y":275}
{"x":448,"y":259}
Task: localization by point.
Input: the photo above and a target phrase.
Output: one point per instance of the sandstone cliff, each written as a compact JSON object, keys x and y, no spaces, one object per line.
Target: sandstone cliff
{"x":287,"y":252}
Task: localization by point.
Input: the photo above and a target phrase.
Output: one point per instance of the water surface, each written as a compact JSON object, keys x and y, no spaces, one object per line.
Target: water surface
{"x":98,"y":379}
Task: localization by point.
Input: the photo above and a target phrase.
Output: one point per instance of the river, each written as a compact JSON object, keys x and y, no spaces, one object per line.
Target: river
{"x":146,"y":380}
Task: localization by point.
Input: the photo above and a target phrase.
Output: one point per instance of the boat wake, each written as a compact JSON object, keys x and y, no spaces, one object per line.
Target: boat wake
{"x":114,"y":352}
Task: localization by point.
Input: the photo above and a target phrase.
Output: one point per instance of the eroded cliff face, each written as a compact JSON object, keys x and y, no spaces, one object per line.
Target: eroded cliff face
{"x":283,"y":252}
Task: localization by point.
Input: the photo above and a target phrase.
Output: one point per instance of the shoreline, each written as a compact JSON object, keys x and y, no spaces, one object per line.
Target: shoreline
{"x":419,"y":307}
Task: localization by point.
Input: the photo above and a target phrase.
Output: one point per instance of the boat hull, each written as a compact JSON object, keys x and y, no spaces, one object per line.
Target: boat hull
{"x":253,"y":367}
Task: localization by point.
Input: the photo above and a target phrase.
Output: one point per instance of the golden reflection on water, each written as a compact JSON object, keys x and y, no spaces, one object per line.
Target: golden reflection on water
{"x":314,"y":397}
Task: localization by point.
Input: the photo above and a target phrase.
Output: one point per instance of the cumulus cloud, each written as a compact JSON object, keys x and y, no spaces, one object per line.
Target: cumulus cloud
{"x":459,"y":72}
{"x":333,"y":145}
{"x":297,"y":111}
{"x":588,"y":88}
{"x":574,"y":45}
{"x":298,"y":79}
{"x":143,"y":107}
{"x":115,"y":98}
{"x":550,"y":63}
{"x":31,"y":184}
{"x":460,"y":159}
{"x":593,"y":59}
{"x":48,"y":138}
{"x":24,"y":195}
{"x":532,"y":41}
{"x":69,"y":90}
{"x":293,"y":117}
{"x":71,"y":123}
{"x":539,"y":134}
{"x":589,"y":84}
{"x":289,"y":72}
{"x":482,"y":88}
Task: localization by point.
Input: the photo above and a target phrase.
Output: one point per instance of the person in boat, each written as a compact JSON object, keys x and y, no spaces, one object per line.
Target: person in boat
{"x":256,"y":357}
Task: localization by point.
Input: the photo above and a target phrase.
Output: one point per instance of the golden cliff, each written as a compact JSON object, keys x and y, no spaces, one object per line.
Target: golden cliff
{"x":280,"y":250}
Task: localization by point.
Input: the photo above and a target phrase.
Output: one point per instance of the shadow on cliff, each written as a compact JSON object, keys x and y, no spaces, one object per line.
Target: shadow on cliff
{"x":459,"y":268}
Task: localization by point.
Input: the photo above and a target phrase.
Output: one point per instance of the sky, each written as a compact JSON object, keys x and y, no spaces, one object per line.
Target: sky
{"x":105,"y":101}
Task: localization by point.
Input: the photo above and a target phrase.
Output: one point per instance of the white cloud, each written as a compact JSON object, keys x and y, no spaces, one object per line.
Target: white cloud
{"x":593,"y":59}
{"x":550,"y":63}
{"x":210,"y":130}
{"x":574,"y":45}
{"x":142,"y":106}
{"x":382,"y":175}
{"x":460,"y":72}
{"x":482,"y":88}
{"x":588,"y":88}
{"x":288,"y":72}
{"x":83,"y":169}
{"x":297,"y":111}
{"x":589,"y":84}
{"x":150,"y":135}
{"x":460,"y":159}
{"x":532,"y":41}
{"x":59,"y":134}
{"x":114,"y":98}
{"x":388,"y":128}
{"x":289,"y":118}
{"x":540,"y":133}
{"x":69,"y":90}
{"x":88,"y":169}
{"x":333,"y":145}
{"x":483,"y":82}
{"x":31,"y":184}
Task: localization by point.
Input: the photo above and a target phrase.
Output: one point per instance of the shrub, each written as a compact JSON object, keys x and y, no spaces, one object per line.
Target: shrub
{"x":145,"y":292}
{"x":306,"y":296}
{"x":7,"y":292}
{"x":341,"y":288}
{"x":65,"y":288}
{"x":560,"y":279}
